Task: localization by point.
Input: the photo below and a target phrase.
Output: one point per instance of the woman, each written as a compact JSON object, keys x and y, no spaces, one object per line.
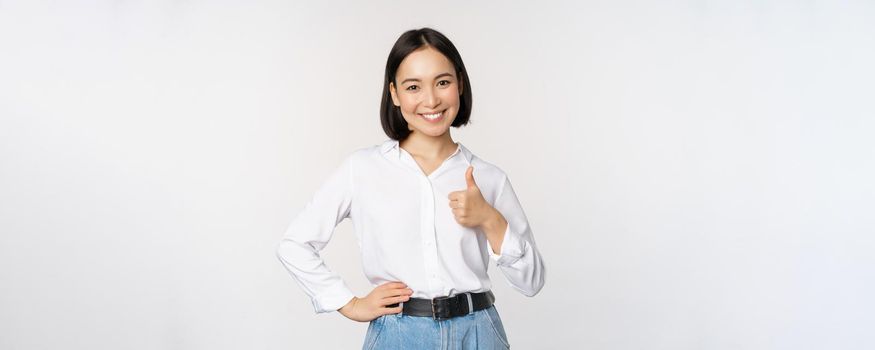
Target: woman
{"x":427,"y":213}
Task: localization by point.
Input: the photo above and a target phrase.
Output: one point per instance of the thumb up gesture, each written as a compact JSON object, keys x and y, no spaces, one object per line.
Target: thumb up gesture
{"x":469,"y":207}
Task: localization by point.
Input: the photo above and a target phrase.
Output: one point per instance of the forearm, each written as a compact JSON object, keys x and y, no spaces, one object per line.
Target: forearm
{"x":325,"y":288}
{"x":494,"y":228}
{"x":513,"y":248}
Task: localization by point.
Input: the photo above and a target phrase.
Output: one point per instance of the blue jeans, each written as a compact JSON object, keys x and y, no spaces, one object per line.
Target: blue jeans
{"x":478,"y":330}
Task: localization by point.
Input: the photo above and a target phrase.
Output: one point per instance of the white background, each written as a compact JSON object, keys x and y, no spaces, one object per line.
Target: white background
{"x":698,"y":174}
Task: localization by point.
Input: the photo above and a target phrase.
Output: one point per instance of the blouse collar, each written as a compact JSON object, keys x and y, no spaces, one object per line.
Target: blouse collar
{"x":392,"y":148}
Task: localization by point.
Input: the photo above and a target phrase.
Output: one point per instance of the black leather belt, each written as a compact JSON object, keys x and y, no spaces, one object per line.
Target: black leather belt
{"x":442,"y":308}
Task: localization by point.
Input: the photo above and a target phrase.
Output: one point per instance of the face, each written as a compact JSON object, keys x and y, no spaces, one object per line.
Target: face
{"x":427,"y":91}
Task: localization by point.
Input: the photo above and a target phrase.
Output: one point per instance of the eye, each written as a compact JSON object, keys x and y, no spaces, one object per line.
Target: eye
{"x":444,"y":81}
{"x":410,"y":88}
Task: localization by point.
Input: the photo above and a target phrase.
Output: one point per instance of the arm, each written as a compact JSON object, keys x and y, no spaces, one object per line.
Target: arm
{"x":310,"y":232}
{"x":516,"y":255}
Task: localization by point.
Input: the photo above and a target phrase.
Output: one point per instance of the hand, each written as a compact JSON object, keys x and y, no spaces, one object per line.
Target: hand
{"x":374,"y":304}
{"x":469,"y":207}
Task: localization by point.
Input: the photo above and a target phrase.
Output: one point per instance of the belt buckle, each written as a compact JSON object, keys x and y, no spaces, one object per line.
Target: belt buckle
{"x":434,"y":313}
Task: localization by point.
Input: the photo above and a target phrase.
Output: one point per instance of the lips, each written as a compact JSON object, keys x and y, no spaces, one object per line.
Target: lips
{"x":432,"y":117}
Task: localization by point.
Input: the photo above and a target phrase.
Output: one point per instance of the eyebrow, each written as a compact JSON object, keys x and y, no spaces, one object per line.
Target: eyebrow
{"x":416,"y":79}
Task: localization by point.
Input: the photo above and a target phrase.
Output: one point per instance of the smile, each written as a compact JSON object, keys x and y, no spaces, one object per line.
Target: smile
{"x":432,"y":117}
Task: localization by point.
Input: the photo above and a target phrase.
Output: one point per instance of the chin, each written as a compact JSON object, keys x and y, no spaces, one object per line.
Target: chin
{"x":430,"y":130}
{"x":434,"y":133}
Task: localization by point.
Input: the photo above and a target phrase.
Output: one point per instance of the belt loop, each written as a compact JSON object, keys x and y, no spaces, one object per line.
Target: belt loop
{"x":470,"y":303}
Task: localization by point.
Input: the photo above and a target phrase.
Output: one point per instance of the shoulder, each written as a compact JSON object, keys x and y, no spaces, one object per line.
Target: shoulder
{"x":366,"y":157}
{"x":367,"y":152}
{"x":489,"y":177}
{"x":485,"y":169}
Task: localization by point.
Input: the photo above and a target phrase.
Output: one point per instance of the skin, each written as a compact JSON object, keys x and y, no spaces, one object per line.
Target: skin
{"x":427,"y":83}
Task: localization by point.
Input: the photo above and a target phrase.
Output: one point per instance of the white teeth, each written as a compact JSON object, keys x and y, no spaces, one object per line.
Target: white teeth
{"x":431,"y":116}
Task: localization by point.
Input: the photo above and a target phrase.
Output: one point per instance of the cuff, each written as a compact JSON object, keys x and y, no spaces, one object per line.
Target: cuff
{"x":333,"y":301}
{"x":512,"y":248}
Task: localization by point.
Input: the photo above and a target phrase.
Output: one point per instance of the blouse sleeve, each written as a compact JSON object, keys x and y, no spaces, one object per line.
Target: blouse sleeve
{"x":309,"y":232}
{"x":519,"y":259}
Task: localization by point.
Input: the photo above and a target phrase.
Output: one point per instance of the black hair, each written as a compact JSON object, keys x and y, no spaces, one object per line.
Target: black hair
{"x":390,"y":115}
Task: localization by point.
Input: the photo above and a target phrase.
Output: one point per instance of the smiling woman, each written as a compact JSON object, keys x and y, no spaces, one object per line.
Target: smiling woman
{"x":427,"y":225}
{"x":432,"y":92}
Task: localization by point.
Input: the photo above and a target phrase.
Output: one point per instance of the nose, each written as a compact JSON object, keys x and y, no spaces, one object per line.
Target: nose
{"x":431,"y":98}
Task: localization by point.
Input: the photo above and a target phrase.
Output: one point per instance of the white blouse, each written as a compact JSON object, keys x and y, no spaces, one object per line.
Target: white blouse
{"x":406,"y":229}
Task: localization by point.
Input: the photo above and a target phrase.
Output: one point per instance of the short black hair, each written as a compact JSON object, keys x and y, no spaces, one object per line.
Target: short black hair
{"x":390,"y":115}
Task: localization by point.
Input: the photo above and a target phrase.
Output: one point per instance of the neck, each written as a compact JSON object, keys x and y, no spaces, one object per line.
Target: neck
{"x":429,"y":147}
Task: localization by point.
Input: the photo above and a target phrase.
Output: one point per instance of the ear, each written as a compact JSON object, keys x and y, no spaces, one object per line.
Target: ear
{"x":394,"y":95}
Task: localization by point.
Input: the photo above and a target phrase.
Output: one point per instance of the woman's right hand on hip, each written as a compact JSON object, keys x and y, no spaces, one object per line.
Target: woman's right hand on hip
{"x":374,"y":304}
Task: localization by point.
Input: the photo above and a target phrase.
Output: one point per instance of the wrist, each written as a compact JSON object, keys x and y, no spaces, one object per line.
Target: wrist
{"x":349,"y":305}
{"x":494,"y":222}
